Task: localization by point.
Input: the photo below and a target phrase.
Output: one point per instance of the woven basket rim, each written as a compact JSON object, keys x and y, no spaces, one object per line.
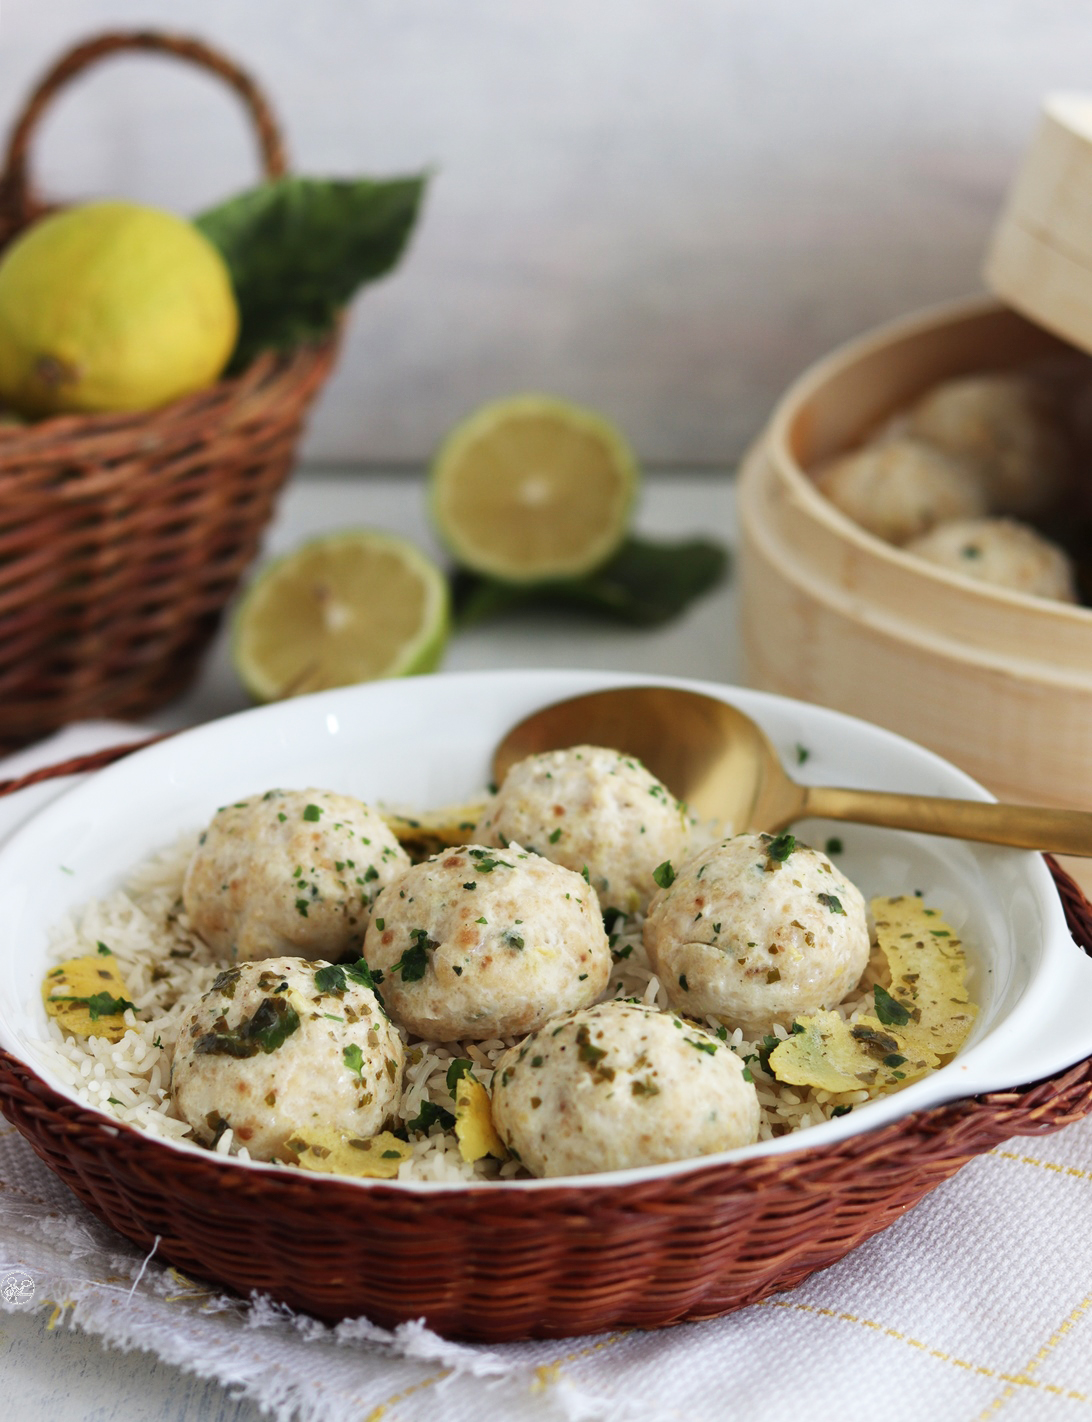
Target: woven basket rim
{"x":184,"y":1158}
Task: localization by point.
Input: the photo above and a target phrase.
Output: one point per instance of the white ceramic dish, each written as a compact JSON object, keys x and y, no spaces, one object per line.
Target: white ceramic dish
{"x":427,"y":741}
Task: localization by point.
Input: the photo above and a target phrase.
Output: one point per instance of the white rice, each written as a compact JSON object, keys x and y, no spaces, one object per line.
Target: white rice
{"x":167,"y":968}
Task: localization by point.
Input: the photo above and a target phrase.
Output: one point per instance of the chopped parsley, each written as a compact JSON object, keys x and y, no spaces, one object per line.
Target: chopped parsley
{"x":834,"y":846}
{"x":101,"y":1004}
{"x":890,"y":1012}
{"x":268,"y":1027}
{"x":513,"y":939}
{"x":353,"y":1058}
{"x":833,"y":902}
{"x":664,"y":874}
{"x":555,"y":836}
{"x":459,"y":1068}
{"x":380,"y":924}
{"x":683,"y":983}
{"x":312,"y":813}
{"x":802,"y":753}
{"x":840,"y":1111}
{"x":779,"y":849}
{"x":331,"y":978}
{"x":106,"y":952}
{"x":429,"y":1114}
{"x":709,"y":1048}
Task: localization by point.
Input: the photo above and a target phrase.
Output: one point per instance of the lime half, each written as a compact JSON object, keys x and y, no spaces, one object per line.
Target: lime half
{"x":345,"y":607}
{"x":532,"y":489}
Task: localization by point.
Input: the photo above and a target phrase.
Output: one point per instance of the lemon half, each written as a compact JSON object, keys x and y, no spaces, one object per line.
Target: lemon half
{"x":342,"y":608}
{"x":532,"y":489}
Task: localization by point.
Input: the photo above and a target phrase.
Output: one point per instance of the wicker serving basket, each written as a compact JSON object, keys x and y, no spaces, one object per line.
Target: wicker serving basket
{"x":123,"y":536}
{"x":496,"y":1265}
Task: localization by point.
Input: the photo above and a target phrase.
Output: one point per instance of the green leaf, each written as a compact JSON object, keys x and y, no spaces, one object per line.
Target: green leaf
{"x":646,"y":583}
{"x":429,"y":1114}
{"x":298,"y":248}
{"x":459,"y":1068}
{"x":890,"y":1012}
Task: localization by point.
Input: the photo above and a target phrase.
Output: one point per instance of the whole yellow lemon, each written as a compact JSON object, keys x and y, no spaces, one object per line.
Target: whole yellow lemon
{"x":112,"y":306}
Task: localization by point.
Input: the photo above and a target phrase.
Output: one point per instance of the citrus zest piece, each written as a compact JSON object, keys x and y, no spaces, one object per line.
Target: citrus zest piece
{"x":329,"y":1151}
{"x":422,"y":835}
{"x":474,"y":1128}
{"x":533,"y":489}
{"x":87,"y":996}
{"x":340,"y":609}
{"x":928,"y":997}
{"x":928,"y":971}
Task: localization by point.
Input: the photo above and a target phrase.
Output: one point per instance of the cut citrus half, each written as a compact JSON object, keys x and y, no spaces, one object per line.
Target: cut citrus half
{"x":343,"y":608}
{"x":533,"y":489}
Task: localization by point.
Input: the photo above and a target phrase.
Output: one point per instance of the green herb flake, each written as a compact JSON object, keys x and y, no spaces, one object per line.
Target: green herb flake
{"x":353,"y":1058}
{"x":890,"y":1012}
{"x":840,"y":1111}
{"x":106,"y":952}
{"x":460,"y":1067}
{"x":683,"y":983}
{"x":555,"y":836}
{"x":779,"y":849}
{"x":101,"y":1004}
{"x":428,"y":1116}
{"x":834,"y":846}
{"x":709,"y":1048}
{"x":802,"y":753}
{"x":893,"y":1060}
{"x":269,"y":1026}
{"x":664,"y":874}
{"x":832,"y":902}
{"x":312,"y":813}
{"x":331,"y":978}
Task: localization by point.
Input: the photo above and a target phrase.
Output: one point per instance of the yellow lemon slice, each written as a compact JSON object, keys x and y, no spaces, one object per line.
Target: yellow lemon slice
{"x":343,"y":608}
{"x":533,"y":489}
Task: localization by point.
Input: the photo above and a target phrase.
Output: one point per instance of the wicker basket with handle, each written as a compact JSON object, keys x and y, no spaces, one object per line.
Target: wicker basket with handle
{"x":495,"y":1263}
{"x":122,"y":536}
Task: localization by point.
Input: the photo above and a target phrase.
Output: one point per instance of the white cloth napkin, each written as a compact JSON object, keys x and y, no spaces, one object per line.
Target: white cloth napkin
{"x":975,"y":1305}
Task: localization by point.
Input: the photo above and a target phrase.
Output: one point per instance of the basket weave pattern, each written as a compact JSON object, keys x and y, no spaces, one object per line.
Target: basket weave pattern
{"x":499,"y":1264}
{"x":122,"y":537}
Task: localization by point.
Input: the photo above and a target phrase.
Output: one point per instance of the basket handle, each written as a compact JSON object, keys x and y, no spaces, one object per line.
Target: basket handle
{"x":17,"y":199}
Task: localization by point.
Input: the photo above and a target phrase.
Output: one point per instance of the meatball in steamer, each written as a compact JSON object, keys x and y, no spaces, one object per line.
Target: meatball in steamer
{"x":755,"y":930}
{"x":591,"y":806}
{"x":480,"y":942}
{"x":282,"y":1046}
{"x":620,"y":1085}
{"x":290,"y":872}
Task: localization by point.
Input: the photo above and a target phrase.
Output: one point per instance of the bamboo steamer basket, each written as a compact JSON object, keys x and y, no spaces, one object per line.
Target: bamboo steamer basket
{"x":996,"y":681}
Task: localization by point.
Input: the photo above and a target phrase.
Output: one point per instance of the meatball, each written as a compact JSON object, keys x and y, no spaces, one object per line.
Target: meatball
{"x":595,"y":807}
{"x":290,"y":871}
{"x":901,"y":487}
{"x":757,"y":930}
{"x":620,"y":1085}
{"x":1006,"y":425}
{"x":279,"y":1046}
{"x":479,"y":942}
{"x":1000,"y":551}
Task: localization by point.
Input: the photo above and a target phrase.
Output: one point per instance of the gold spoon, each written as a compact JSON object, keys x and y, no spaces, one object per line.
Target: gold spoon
{"x":717,"y":760}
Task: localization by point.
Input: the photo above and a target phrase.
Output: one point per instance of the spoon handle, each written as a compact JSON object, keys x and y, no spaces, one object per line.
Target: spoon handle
{"x":1023,"y":826}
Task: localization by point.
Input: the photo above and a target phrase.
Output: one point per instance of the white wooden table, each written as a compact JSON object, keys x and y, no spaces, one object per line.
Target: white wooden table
{"x":66,"y":1376}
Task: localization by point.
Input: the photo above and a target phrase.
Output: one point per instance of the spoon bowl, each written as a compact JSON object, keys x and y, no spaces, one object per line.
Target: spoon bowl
{"x":717,"y":759}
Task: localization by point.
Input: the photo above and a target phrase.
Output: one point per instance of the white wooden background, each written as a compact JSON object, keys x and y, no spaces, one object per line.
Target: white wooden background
{"x":663,"y":208}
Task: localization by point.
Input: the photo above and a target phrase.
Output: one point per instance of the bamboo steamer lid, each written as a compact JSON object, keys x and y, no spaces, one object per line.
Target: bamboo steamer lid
{"x":1040,"y":257}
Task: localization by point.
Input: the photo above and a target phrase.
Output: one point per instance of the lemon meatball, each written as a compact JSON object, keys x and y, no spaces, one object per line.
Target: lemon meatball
{"x":290,"y":871}
{"x":591,"y":806}
{"x":899,"y":488}
{"x":756,"y":930}
{"x":283,"y":1045}
{"x":479,"y":942}
{"x":1007,"y":427}
{"x":620,"y":1085}
{"x":1002,"y":552}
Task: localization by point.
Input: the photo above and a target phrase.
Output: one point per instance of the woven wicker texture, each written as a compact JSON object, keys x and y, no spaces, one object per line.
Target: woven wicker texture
{"x":123,"y":536}
{"x":501,"y":1264}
